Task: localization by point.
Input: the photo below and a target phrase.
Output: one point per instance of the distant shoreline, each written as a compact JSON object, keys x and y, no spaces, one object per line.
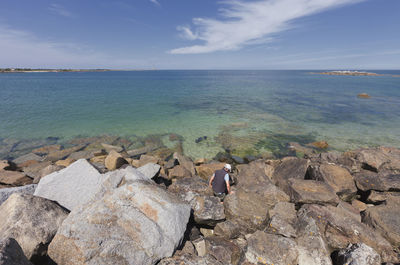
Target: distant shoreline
{"x":28,"y":70}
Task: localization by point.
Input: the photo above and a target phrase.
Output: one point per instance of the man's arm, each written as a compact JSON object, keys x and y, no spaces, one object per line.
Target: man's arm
{"x":228,"y":186}
{"x":211,"y":180}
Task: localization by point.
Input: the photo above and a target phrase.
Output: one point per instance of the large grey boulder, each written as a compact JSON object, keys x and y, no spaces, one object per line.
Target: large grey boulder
{"x":32,"y":221}
{"x":339,"y":228}
{"x":385,"y":218}
{"x":71,"y":186}
{"x":150,"y":170}
{"x":282,"y":219}
{"x":383,"y":181}
{"x":337,"y":177}
{"x":311,"y":245}
{"x":11,"y":253}
{"x":311,"y":191}
{"x":290,"y":167}
{"x":358,"y":254}
{"x":223,"y":250}
{"x":136,"y":223}
{"x":249,"y":205}
{"x":267,"y":248}
{"x":188,"y":188}
{"x":5,"y":193}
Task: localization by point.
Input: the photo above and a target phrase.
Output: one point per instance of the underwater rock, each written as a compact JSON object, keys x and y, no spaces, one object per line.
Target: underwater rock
{"x":200,"y":139}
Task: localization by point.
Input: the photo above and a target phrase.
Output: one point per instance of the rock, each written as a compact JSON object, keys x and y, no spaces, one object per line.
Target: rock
{"x":186,"y":162}
{"x":62,"y":154}
{"x":179,"y":171}
{"x":11,"y":253}
{"x":5,"y":193}
{"x":5,"y":165}
{"x":290,"y":167}
{"x":238,"y":160}
{"x":188,"y":259}
{"x":320,"y":144}
{"x":200,"y":246}
{"x":150,"y":170}
{"x":363,"y":95}
{"x":14,"y":178}
{"x":200,"y":161}
{"x":114,"y":160}
{"x":110,"y":148}
{"x":31,"y":221}
{"x":187,"y":248}
{"x":71,"y":186}
{"x":271,"y":249}
{"x":311,"y":191}
{"x":27,"y":157}
{"x":171,"y":163}
{"x":140,"y":151}
{"x":300,"y":150}
{"x":223,"y":250}
{"x":377,"y":197}
{"x":311,"y":245}
{"x":358,"y":254}
{"x":252,"y":174}
{"x":378,"y":159}
{"x":339,"y":228}
{"x":335,"y":176}
{"x":206,"y":231}
{"x":65,"y":162}
{"x":47,"y":149}
{"x":207,"y":210}
{"x":385,"y":219}
{"x":84,"y":155}
{"x":227,"y":229}
{"x":135,"y":163}
{"x":282,"y":219}
{"x":205,"y":171}
{"x":34,"y":171}
{"x":46,"y":171}
{"x":200,"y":139}
{"x":367,"y":180}
{"x":188,"y":188}
{"x":249,"y":205}
{"x":359,"y":205}
{"x":136,"y":223}
{"x":145,"y":159}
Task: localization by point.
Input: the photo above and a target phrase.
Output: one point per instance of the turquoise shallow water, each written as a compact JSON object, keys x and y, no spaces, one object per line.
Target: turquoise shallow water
{"x":239,"y":110}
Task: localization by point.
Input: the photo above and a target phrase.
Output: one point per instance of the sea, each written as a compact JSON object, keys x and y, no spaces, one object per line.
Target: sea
{"x":247,"y":112}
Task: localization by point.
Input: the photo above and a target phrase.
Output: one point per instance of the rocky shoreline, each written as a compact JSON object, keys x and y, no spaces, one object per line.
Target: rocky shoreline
{"x":99,"y":202}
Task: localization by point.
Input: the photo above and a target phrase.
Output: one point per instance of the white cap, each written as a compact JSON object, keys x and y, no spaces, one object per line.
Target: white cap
{"x":227,"y":166}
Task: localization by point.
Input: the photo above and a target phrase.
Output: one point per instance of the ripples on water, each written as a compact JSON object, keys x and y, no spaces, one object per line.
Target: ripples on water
{"x":247,"y":112}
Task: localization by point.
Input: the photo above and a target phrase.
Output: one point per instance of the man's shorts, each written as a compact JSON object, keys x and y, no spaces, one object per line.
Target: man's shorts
{"x":221,"y":196}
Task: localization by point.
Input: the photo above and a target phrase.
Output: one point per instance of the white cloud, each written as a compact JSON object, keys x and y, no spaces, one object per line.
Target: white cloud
{"x":60,"y":10}
{"x":155,"y":2}
{"x":248,"y":22}
{"x":23,"y":49}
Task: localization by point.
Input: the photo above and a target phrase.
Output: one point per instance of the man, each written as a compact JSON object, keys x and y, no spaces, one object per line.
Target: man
{"x":220,"y":182}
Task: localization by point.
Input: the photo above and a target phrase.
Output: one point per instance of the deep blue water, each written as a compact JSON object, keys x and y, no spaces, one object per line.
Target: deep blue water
{"x":255,"y":104}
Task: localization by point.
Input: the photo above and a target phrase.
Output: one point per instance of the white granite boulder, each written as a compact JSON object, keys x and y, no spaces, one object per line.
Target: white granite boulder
{"x":135,"y":223}
{"x":72,"y":186}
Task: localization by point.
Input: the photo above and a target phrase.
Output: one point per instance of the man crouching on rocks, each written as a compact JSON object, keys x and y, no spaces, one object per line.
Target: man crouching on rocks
{"x":220,"y":182}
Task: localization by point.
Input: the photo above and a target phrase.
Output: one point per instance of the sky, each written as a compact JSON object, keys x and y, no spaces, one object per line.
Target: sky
{"x":200,"y":34}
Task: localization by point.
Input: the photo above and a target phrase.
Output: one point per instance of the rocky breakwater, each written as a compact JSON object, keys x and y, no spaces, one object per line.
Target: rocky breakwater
{"x":154,"y":206}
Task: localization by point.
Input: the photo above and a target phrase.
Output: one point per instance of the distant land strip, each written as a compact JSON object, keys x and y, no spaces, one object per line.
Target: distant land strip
{"x":353,"y":73}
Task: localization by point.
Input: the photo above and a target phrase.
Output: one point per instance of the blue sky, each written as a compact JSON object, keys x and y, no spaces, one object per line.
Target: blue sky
{"x":200,"y":34}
